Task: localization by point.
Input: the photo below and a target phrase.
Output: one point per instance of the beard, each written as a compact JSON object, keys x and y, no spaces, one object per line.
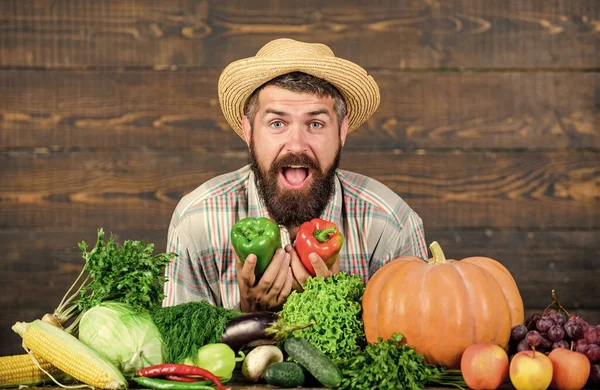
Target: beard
{"x":291,"y":208}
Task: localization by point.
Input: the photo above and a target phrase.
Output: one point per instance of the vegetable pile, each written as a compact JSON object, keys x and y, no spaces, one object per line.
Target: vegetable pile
{"x":317,"y":337}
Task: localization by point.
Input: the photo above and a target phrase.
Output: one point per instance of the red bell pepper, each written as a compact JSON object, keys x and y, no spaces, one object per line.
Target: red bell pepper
{"x":321,"y":237}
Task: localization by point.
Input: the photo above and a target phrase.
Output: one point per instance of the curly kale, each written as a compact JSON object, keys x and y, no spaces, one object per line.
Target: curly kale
{"x":333,"y":304}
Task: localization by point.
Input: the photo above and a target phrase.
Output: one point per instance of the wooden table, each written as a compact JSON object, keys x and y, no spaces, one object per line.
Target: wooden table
{"x":239,"y":383}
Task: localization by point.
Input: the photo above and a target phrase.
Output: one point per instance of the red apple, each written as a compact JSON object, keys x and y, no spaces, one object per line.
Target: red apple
{"x":484,"y":366}
{"x":530,"y":370}
{"x":571,"y":369}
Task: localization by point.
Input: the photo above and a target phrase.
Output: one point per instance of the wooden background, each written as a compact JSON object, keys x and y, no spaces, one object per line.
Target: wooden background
{"x":488,"y":127}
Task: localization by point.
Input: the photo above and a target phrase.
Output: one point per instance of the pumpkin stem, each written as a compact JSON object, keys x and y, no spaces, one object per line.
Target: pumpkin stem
{"x":438,"y":253}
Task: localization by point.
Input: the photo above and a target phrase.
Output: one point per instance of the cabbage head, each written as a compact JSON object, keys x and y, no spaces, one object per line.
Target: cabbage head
{"x":128,"y":339}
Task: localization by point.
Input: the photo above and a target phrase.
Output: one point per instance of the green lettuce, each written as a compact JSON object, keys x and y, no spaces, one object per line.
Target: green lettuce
{"x":333,"y":304}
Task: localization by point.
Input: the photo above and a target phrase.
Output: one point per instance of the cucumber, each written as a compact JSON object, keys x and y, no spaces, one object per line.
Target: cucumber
{"x":285,"y":374}
{"x":315,"y":361}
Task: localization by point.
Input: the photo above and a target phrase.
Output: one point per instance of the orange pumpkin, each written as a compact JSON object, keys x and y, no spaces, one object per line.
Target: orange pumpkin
{"x":442,"y":306}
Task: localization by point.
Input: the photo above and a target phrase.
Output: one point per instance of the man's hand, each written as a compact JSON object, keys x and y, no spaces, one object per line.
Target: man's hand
{"x":301,"y":274}
{"x":273,"y":288}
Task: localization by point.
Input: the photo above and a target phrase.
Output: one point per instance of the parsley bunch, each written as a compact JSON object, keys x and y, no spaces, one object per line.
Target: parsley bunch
{"x":129,"y":273}
{"x":391,"y":365}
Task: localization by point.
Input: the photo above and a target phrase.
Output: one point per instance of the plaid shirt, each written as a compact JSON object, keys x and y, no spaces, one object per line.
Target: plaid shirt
{"x":377,"y":226}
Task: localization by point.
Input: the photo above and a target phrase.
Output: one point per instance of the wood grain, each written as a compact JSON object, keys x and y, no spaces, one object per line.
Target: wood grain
{"x":41,"y":265}
{"x":113,"y":109}
{"x":377,"y":34}
{"x":123,"y":189}
{"x":488,"y":127}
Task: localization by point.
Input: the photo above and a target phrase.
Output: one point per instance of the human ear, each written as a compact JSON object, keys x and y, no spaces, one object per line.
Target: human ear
{"x":344,"y":130}
{"x":246,"y":129}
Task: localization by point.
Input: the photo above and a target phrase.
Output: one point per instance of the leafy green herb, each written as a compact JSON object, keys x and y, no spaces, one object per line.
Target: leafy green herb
{"x":188,"y":326}
{"x":129,"y":274}
{"x":391,"y":365}
{"x":333,"y":304}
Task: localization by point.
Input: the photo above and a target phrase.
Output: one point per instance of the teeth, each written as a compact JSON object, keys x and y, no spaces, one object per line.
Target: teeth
{"x":296,"y":166}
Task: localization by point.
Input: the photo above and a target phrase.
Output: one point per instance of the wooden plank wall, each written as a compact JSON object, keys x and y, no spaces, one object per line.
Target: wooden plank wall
{"x":488,"y":127}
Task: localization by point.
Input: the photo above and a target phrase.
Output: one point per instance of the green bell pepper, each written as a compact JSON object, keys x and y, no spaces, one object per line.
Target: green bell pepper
{"x":219,"y":359}
{"x":259,"y":236}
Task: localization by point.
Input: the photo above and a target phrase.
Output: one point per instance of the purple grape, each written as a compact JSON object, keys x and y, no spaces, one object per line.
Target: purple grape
{"x":573,"y":330}
{"x":518,"y":333}
{"x":532,"y":321}
{"x":595,"y":373}
{"x":591,"y":335}
{"x":575,"y":318}
{"x":534,"y":338}
{"x":543,"y":324}
{"x":593,"y":353}
{"x":545,"y":344}
{"x":523,"y":345}
{"x":556,"y":333}
{"x":580,"y":321}
{"x":581,"y":346}
{"x":561,"y":344}
{"x":558,"y":318}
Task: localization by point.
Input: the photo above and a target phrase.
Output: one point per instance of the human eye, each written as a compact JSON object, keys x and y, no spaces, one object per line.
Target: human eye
{"x":316,"y":125}
{"x":277,"y":124}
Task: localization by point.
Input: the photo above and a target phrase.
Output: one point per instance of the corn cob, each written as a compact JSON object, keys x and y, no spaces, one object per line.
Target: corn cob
{"x":20,"y":370}
{"x":70,"y":355}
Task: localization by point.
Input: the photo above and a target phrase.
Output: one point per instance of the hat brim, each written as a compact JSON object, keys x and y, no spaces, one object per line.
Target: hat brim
{"x":241,"y":78}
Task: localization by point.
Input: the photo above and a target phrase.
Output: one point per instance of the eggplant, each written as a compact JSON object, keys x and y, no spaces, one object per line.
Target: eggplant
{"x":254,"y":329}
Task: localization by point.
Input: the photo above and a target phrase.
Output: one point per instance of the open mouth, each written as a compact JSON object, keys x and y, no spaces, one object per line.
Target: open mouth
{"x":295,"y":176}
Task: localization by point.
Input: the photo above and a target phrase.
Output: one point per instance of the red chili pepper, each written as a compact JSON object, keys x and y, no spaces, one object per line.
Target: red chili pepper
{"x":183,"y":378}
{"x":179,"y":369}
{"x":321,"y":237}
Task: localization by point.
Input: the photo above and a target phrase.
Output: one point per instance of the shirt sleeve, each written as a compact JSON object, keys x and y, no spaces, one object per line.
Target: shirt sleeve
{"x":185,"y":281}
{"x":407,"y":239}
{"x":413,"y":238}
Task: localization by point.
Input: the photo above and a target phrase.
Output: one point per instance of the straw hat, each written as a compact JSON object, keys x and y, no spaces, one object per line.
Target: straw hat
{"x":281,"y":56}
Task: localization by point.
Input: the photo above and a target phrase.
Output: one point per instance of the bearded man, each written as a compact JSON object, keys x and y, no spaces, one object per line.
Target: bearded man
{"x":293,"y":103}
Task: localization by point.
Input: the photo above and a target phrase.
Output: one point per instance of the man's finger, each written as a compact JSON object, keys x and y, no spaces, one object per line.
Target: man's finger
{"x":335,"y":268}
{"x":247,"y":270}
{"x":298,"y":269}
{"x":280,"y":279}
{"x":319,"y":265}
{"x":286,"y":289}
{"x":296,"y":284}
{"x":266,"y":280}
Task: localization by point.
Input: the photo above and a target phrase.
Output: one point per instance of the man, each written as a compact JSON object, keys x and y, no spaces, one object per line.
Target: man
{"x":293,"y":104}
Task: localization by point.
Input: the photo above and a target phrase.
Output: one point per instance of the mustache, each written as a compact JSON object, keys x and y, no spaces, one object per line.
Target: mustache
{"x":294,"y":159}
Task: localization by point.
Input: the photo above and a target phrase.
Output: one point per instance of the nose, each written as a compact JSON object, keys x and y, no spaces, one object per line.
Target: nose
{"x":297,"y":141}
